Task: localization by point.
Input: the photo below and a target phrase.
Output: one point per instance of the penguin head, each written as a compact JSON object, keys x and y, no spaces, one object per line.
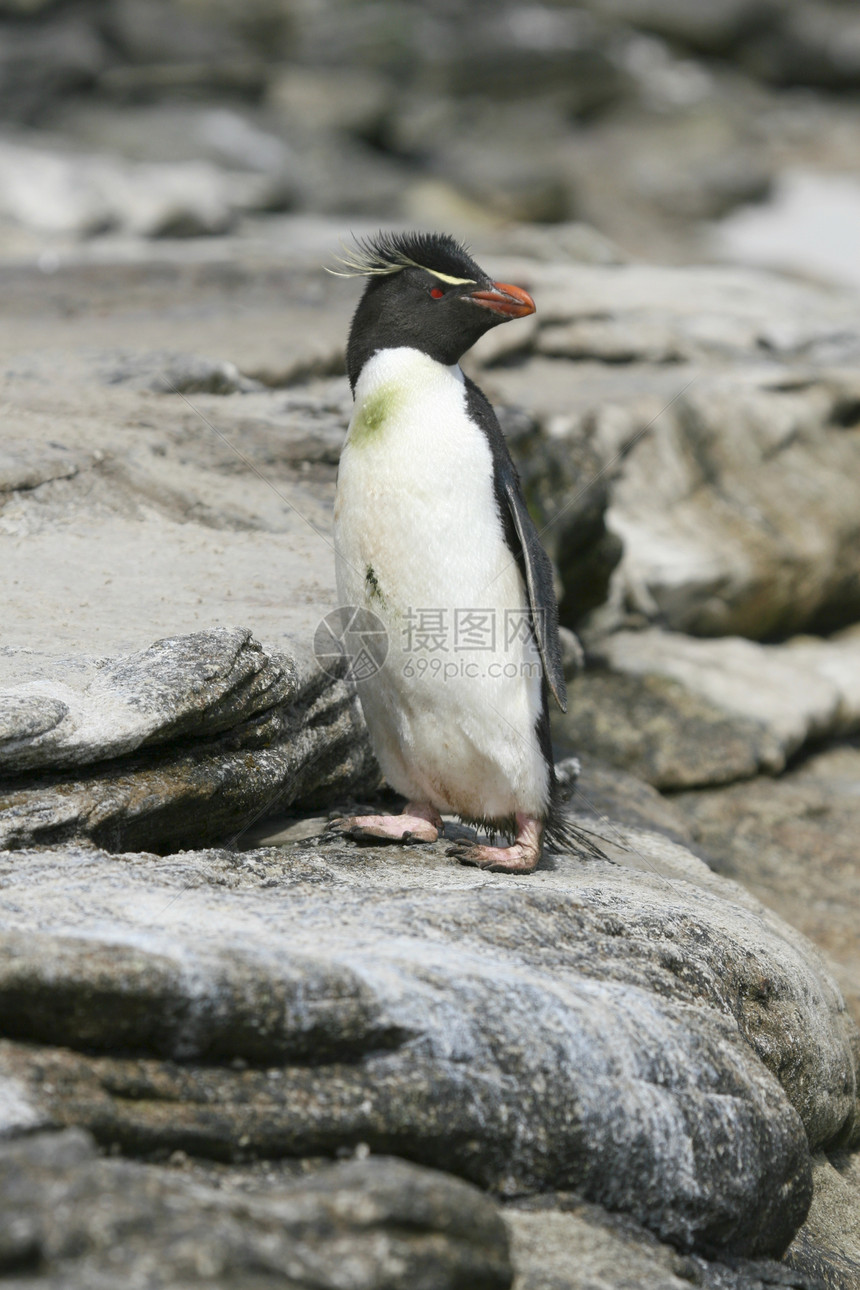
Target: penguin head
{"x":424,"y":291}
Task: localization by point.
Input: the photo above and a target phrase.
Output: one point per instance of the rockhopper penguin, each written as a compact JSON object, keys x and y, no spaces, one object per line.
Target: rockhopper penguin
{"x":432,"y":534}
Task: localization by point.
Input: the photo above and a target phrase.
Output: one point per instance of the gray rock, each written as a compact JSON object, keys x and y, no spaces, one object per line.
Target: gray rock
{"x":40,"y":62}
{"x":53,"y":192}
{"x":793,"y":842}
{"x":170,"y":373}
{"x":732,"y":491}
{"x":660,"y":731}
{"x":734,"y":542}
{"x":81,"y":1221}
{"x":604,"y":1027}
{"x":773,"y":698}
{"x":608,"y":794}
{"x":563,"y":1243}
{"x":827,"y":1247}
{"x":704,"y":27}
{"x":198,"y":685}
{"x":814,"y":44}
{"x":27,"y":465}
{"x":235,"y":733}
{"x":568,"y":499}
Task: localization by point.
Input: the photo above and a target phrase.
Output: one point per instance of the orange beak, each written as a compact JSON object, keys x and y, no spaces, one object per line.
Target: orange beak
{"x":502,"y":298}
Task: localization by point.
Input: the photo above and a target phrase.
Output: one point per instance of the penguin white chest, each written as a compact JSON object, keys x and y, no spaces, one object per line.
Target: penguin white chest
{"x":415,"y":502}
{"x":420,"y":542}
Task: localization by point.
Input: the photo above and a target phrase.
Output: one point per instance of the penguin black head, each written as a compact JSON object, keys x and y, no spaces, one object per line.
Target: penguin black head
{"x":424,"y":291}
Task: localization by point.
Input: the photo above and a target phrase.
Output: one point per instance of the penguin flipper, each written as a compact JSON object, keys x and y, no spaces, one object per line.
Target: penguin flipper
{"x":536,"y":568}
{"x":523,"y":539}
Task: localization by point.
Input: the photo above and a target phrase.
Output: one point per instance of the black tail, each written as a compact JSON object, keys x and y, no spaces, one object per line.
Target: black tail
{"x":563,"y":832}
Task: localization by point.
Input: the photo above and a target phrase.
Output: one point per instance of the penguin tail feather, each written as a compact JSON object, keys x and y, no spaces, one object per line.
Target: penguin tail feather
{"x":564,"y":834}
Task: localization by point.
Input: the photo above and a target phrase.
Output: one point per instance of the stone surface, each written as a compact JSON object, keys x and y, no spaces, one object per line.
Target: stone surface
{"x":56,"y":193}
{"x":793,"y":842}
{"x":235,"y":733}
{"x":708,"y":424}
{"x":607,"y":793}
{"x":681,"y":712}
{"x":198,"y":685}
{"x":452,"y":1017}
{"x":177,"y":511}
{"x":660,"y":731}
{"x":827,"y":1248}
{"x":71,"y":1218}
{"x":567,"y":1244}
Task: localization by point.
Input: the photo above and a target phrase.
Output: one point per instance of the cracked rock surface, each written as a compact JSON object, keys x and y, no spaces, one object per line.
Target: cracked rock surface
{"x":73,"y":1218}
{"x":649,"y":1035}
{"x":189,"y":740}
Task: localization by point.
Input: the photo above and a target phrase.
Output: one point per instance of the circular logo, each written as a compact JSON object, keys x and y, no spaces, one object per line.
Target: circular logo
{"x":351,"y":643}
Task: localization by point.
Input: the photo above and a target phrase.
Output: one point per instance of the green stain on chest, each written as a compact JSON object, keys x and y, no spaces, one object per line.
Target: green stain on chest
{"x":372,"y":414}
{"x":372,"y":589}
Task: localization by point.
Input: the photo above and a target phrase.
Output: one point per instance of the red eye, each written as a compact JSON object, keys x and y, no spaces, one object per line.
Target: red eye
{"x":437,"y":293}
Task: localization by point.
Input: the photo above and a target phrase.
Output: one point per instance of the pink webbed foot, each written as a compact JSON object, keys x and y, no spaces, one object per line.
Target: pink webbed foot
{"x":418,"y":823}
{"x":521,"y":856}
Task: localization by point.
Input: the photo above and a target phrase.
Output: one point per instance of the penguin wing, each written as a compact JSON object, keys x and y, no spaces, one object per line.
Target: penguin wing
{"x":523,"y":540}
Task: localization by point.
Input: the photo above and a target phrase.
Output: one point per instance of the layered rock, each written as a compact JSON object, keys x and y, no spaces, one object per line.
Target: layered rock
{"x":794,"y":843}
{"x":683,"y":712}
{"x":732,"y":491}
{"x":360,"y":996}
{"x":190,"y":740}
{"x":85,"y":1221}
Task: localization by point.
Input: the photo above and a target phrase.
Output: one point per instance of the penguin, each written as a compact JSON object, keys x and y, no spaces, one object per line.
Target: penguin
{"x":432,"y":536}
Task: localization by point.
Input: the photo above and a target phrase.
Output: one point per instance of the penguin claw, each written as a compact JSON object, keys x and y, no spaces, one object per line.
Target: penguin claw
{"x":513,"y":859}
{"x":403,"y":829}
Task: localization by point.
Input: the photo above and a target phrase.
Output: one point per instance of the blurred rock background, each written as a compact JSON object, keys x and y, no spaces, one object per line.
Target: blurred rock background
{"x":677,"y":185}
{"x":648,"y":119}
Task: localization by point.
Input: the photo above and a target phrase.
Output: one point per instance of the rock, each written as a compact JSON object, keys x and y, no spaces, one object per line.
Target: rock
{"x":198,"y":685}
{"x":215,"y":501}
{"x":346,"y":99}
{"x":568,"y":500}
{"x":529,"y":1038}
{"x":366,"y":1223}
{"x":814,"y":44}
{"x":606,"y":793}
{"x":170,"y":373}
{"x":793,"y":843}
{"x":153,"y":32}
{"x":724,"y":534}
{"x":733,"y":491}
{"x":809,"y":227}
{"x":827,"y":1247}
{"x":773,"y":698}
{"x":660,"y":731}
{"x":80,"y":195}
{"x":560,"y":243}
{"x":237,"y":732}
{"x":562,"y":1243}
{"x":704,"y":27}
{"x":40,"y":62}
{"x":24,"y":466}
{"x":572,"y":653}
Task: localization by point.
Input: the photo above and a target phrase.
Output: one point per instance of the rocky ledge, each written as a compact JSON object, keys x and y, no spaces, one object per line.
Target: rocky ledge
{"x":375,"y":1066}
{"x":635,"y":1031}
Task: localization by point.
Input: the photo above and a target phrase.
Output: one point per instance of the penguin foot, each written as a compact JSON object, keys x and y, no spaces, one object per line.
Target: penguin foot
{"x":521,"y":856}
{"x":418,"y":823}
